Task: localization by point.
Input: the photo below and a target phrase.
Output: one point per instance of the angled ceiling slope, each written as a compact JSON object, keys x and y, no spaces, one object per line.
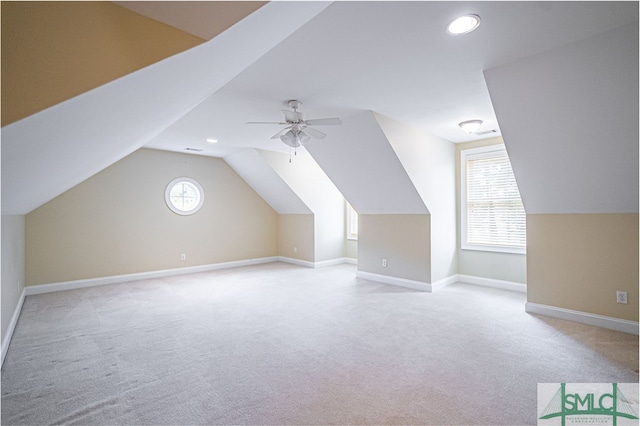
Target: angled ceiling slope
{"x":391,"y":57}
{"x":256,"y":171}
{"x":360,"y":161}
{"x":569,"y":118}
{"x":54,"y":150}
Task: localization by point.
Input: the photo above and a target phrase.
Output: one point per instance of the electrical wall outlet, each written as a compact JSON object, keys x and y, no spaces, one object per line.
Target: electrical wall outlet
{"x":621,"y":297}
{"x":384,"y":263}
{"x":183,"y":256}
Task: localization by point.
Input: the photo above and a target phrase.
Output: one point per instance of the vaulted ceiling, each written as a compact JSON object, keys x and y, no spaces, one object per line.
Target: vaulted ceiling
{"x":339,"y":58}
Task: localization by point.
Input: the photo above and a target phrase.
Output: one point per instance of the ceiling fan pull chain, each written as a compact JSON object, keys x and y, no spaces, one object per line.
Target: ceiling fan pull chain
{"x":289,"y":154}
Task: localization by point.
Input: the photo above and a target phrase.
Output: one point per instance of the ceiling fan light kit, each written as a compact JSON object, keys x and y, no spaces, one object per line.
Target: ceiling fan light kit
{"x":294,"y":139}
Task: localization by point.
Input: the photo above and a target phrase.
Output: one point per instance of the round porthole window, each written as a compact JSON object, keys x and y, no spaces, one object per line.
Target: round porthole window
{"x":184,"y":196}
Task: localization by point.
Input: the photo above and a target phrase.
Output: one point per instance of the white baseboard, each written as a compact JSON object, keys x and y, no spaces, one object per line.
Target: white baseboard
{"x":440,"y":284}
{"x":92,"y":282}
{"x":490,"y":282}
{"x":12,"y":326}
{"x":330,"y":262}
{"x":116,"y":279}
{"x":401,"y":282}
{"x":298,"y":262}
{"x":611,"y":323}
{"x":321,"y":264}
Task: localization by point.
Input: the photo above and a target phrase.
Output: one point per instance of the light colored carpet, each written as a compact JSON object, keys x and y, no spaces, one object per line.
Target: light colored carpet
{"x":281,"y":344}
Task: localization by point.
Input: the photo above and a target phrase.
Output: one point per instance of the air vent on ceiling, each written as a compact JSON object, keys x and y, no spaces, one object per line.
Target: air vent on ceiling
{"x":193,"y":149}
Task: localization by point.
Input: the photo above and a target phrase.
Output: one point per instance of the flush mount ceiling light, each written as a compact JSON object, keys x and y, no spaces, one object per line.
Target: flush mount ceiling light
{"x":463,"y":24}
{"x":470,"y":126}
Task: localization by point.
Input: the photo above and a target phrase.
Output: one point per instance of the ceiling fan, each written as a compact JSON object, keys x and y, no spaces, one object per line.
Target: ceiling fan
{"x":298,"y":130}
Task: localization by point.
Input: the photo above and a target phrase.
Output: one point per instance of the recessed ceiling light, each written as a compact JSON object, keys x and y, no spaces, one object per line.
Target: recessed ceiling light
{"x":470,"y":126}
{"x":210,"y":140}
{"x":463,"y":24}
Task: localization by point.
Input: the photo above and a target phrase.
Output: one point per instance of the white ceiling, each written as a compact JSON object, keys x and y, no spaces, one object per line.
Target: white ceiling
{"x":339,"y":59}
{"x":586,"y":94}
{"x":394,"y":58}
{"x":51,"y":151}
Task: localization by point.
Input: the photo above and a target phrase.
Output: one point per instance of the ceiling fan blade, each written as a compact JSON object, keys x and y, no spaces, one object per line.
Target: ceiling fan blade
{"x":291,"y":116}
{"x":281,"y":132}
{"x":266,"y":122}
{"x":317,"y":134}
{"x":322,"y":121}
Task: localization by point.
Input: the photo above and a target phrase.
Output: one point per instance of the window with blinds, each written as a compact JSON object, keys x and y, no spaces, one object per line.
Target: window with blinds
{"x":352,"y":223}
{"x":493,"y":217}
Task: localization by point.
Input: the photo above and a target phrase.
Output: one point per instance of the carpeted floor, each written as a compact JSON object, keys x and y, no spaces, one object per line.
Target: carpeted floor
{"x":281,"y":344}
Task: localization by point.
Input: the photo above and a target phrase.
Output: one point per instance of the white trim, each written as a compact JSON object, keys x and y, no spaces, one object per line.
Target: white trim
{"x":330,"y":262}
{"x":321,"y":264}
{"x":352,"y":216}
{"x":611,"y":323}
{"x":401,"y":282}
{"x":298,"y":262}
{"x":116,"y":279}
{"x":440,"y":284}
{"x":490,"y":282}
{"x":489,"y":151}
{"x":175,"y":209}
{"x":12,"y":326}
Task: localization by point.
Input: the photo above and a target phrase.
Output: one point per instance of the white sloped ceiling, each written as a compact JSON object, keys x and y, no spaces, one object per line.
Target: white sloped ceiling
{"x":50,"y":152}
{"x":359,"y":160}
{"x":260,"y":175}
{"x":569,"y":119}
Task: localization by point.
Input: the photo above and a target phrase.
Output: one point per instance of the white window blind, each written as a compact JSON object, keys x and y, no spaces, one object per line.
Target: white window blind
{"x":493,"y":216}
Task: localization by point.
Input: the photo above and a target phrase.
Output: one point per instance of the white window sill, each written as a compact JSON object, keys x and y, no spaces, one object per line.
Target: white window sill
{"x":510,"y":250}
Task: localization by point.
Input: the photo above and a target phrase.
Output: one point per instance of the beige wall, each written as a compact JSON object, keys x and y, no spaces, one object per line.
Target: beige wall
{"x":402,"y":239}
{"x":485,"y":264}
{"x":12,"y":266}
{"x":117,"y":222}
{"x":578,"y":261}
{"x":311,"y":184}
{"x":296,"y":236}
{"x":429,"y":162}
{"x":53,"y":51}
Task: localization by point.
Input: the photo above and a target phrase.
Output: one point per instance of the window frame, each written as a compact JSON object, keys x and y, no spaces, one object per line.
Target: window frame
{"x":351,"y":215}
{"x":176,"y":210}
{"x":479,"y":153}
